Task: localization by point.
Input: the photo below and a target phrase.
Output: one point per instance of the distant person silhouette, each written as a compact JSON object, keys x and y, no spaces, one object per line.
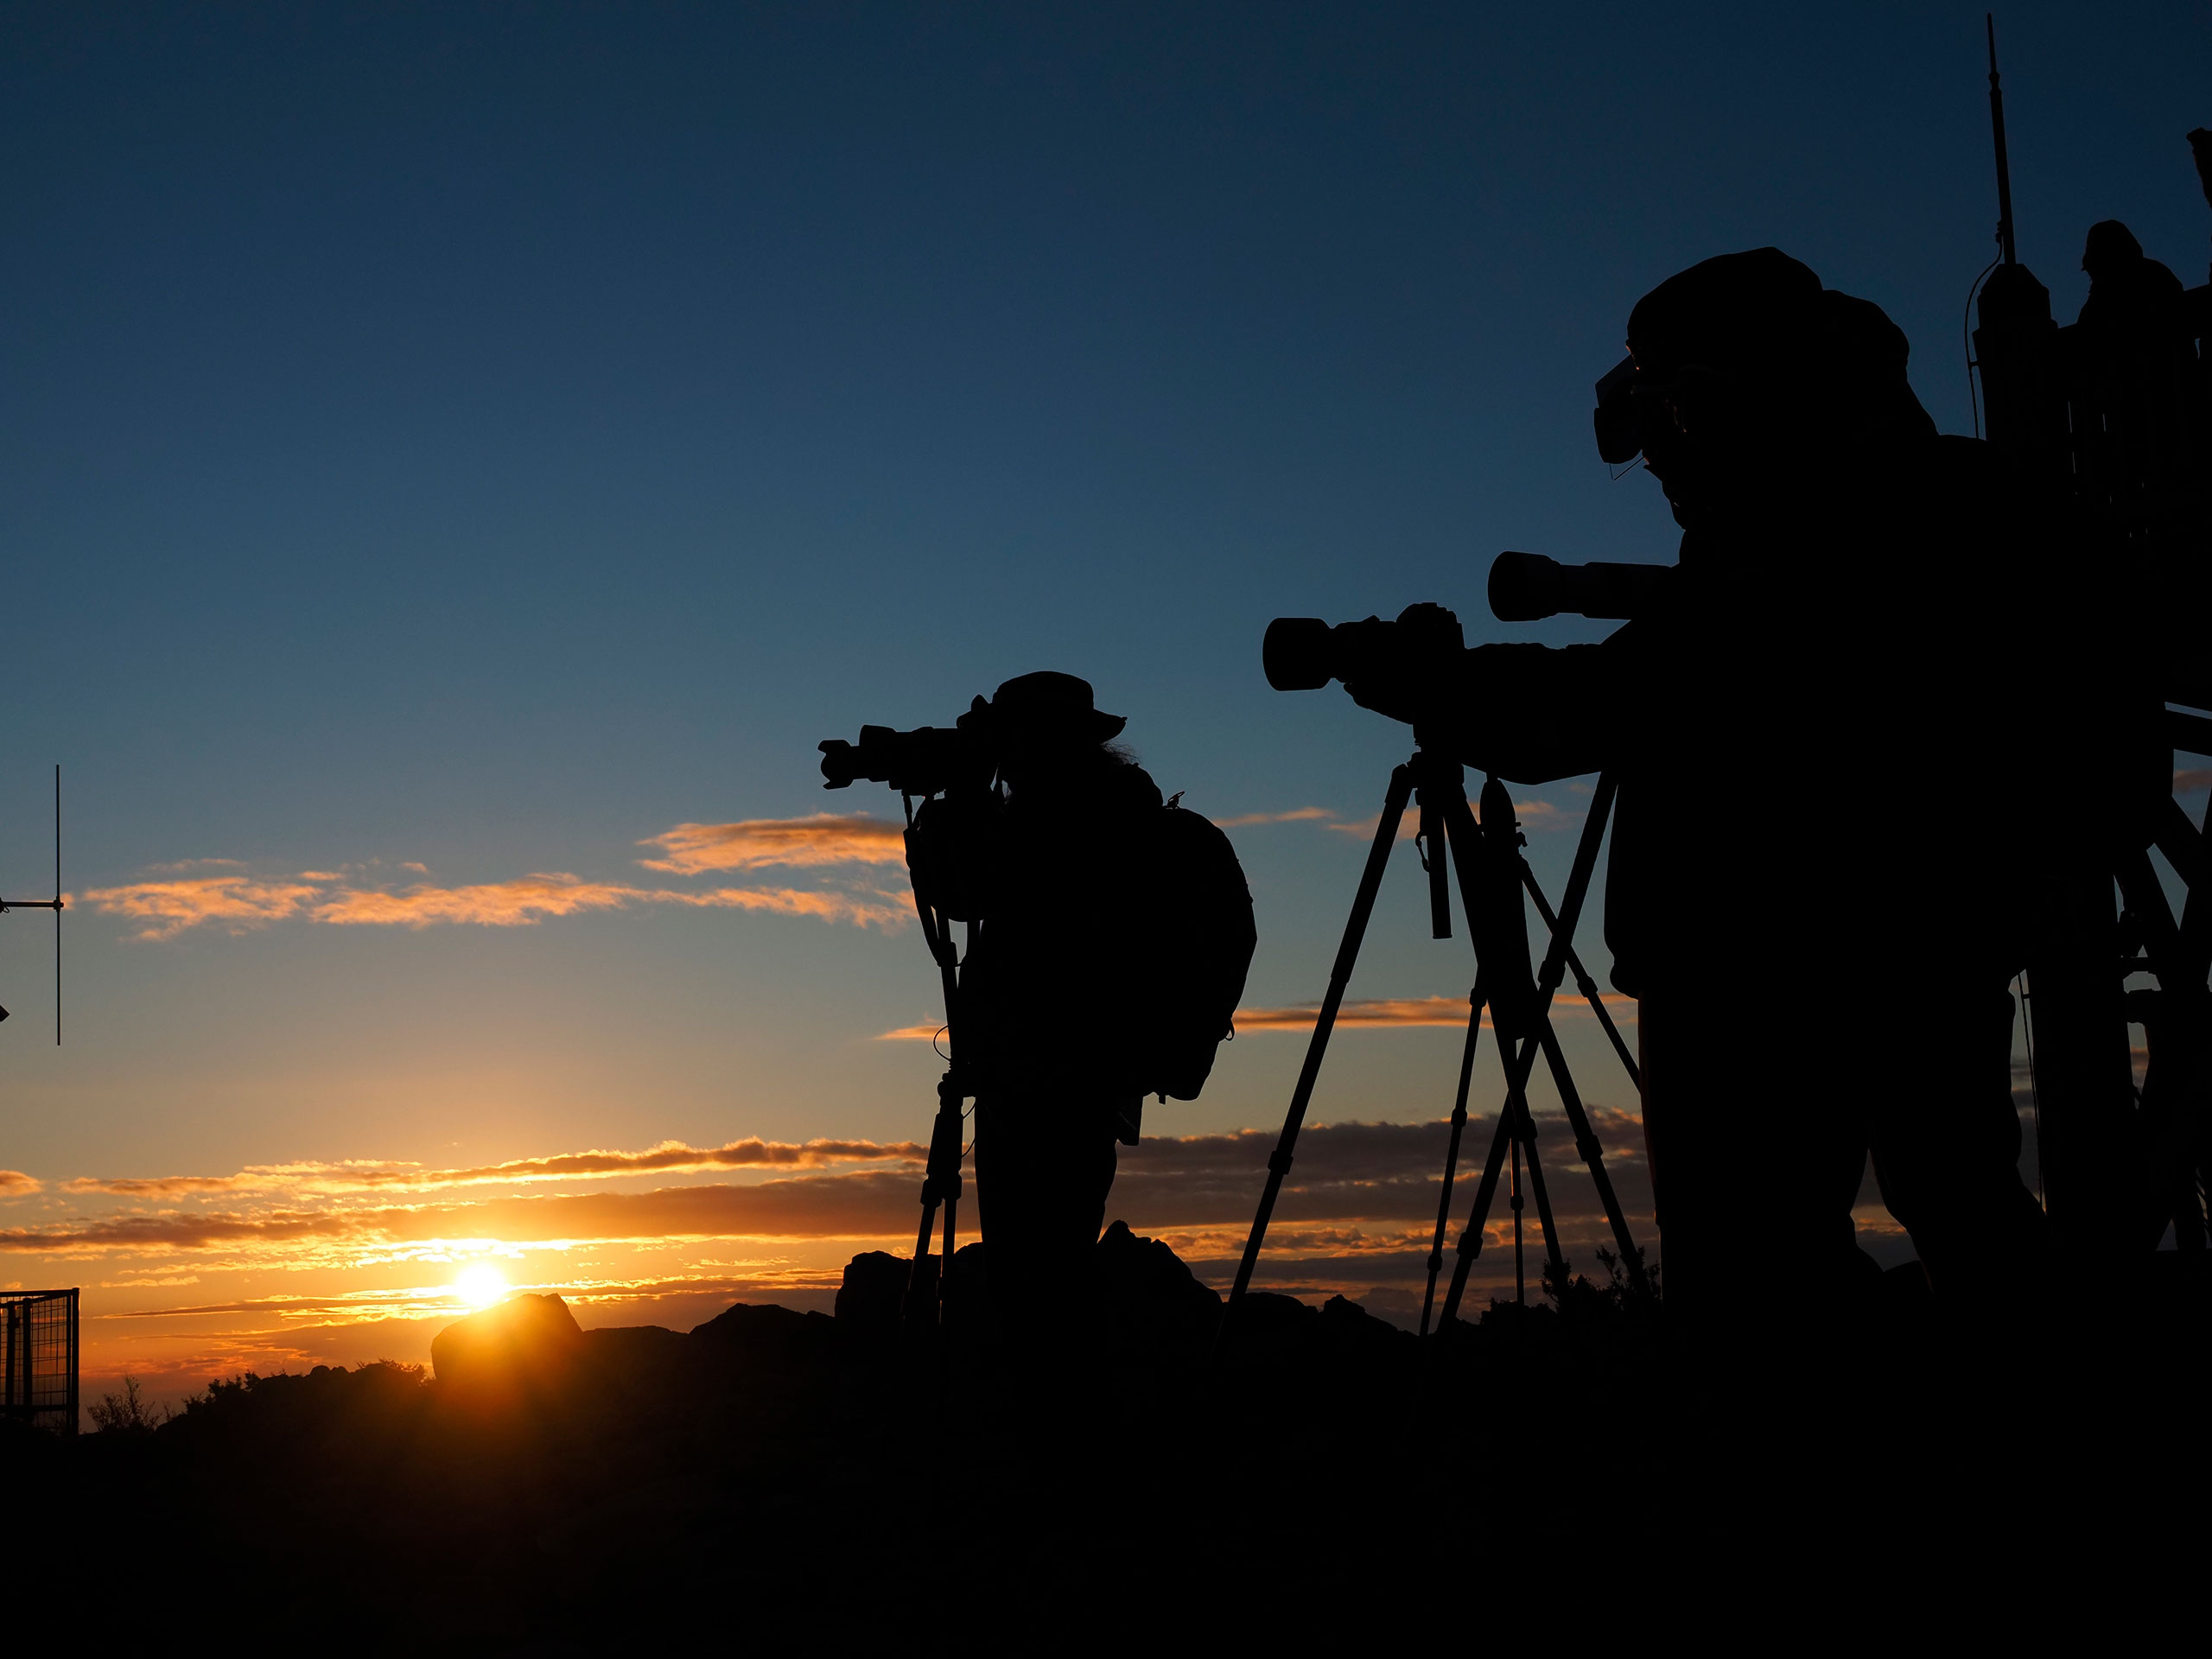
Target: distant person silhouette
{"x":1048,"y":995}
{"x":1873,"y":716}
{"x":2133,"y":379}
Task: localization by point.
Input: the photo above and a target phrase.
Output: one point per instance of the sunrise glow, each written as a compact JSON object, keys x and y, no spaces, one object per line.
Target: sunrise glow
{"x":480,"y":1285}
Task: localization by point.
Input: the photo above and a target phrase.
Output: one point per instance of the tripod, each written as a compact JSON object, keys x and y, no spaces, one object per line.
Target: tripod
{"x":926,"y":1291}
{"x":1492,"y":876}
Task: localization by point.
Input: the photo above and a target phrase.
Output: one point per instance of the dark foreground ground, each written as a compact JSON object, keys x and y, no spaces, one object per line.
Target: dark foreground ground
{"x":774,"y":1481}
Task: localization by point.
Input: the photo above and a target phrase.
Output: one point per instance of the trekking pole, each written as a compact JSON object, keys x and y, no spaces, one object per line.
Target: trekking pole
{"x":1362,"y":908}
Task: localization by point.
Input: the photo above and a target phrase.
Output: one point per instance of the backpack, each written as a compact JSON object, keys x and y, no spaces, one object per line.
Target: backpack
{"x":1206,"y":938}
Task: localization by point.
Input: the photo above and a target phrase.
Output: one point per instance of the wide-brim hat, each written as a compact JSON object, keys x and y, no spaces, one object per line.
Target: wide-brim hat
{"x":1047,"y":703}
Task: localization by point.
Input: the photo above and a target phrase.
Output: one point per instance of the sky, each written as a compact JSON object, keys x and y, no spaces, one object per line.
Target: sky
{"x":456,"y":461}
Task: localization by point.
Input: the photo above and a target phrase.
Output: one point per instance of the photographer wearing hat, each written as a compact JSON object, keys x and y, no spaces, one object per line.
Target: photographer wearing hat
{"x":1822,"y":733}
{"x":1049,"y":990}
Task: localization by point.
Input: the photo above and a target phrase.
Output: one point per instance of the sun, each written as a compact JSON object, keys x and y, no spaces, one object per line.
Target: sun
{"x":480,"y":1286}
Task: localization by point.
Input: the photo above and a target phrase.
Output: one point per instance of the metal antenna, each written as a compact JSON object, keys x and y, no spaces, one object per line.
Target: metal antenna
{"x":53,"y":904}
{"x":57,"y":904}
{"x":2004,"y":166}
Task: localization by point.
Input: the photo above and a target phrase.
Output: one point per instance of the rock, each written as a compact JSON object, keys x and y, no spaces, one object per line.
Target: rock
{"x":761,"y":1333}
{"x":1266,"y":1315}
{"x":524,"y":1347}
{"x":872,"y":1299}
{"x":1150,"y":1291}
{"x":622,"y":1354}
{"x":1345,"y":1320}
{"x":875,"y":1284}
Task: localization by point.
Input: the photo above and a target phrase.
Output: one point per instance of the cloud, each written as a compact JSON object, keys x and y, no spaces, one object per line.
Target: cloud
{"x":1354,"y":1014}
{"x":751,"y":843}
{"x":518,"y":903}
{"x":1402,"y":1011}
{"x":237,"y":902}
{"x":240,"y":903}
{"x":359,"y":1176}
{"x":2189,"y":779}
{"x":1345,"y":1174}
{"x":1296,"y":815}
{"x":1533,"y":815}
{"x":14,"y":1184}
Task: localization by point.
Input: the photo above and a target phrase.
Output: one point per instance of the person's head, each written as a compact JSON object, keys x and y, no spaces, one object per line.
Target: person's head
{"x":2111,"y":250}
{"x":1742,"y":368}
{"x":1045,"y":726}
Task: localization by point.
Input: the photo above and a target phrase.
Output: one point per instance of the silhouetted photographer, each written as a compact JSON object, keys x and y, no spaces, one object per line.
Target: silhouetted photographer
{"x":1873,"y":730}
{"x":1108,"y":933}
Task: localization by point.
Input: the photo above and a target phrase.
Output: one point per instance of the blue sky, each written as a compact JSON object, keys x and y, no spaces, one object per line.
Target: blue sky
{"x":483,"y":438}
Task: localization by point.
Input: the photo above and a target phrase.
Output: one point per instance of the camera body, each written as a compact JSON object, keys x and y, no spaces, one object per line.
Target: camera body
{"x":928,"y":760}
{"x":1304,"y":653}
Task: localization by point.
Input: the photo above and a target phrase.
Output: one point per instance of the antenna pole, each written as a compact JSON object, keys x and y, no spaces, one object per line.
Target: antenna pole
{"x":2004,"y":165}
{"x":57,"y":904}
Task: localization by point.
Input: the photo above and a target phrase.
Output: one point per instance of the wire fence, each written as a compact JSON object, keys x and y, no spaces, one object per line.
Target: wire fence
{"x":38,"y":1358}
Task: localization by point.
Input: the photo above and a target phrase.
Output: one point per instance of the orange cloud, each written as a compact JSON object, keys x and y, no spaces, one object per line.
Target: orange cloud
{"x":823,"y":838}
{"x":518,"y":903}
{"x":670,"y":1156}
{"x":1406,"y":1011}
{"x":2189,"y":779}
{"x":240,"y":903}
{"x":1345,"y":1174}
{"x":14,"y":1184}
{"x":1533,"y":814}
{"x":1375,"y":1013}
{"x":1296,"y":815}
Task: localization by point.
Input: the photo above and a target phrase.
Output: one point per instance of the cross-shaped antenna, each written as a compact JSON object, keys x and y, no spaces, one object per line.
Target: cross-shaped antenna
{"x":53,"y":904}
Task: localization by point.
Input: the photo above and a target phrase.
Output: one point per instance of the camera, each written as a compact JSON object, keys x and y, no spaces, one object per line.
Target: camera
{"x":1527,"y":588}
{"x":1304,"y":653}
{"x":928,"y":760}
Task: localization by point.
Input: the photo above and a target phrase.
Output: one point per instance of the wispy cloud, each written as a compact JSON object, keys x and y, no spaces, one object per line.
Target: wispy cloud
{"x":238,"y":902}
{"x":1533,"y":814}
{"x":241,"y":903}
{"x":1345,"y":1174}
{"x":2189,"y":779}
{"x":1296,"y":815}
{"x":14,"y":1184}
{"x":1404,"y":1011}
{"x":755,"y":843}
{"x":360,"y":1176}
{"x":1368,"y":1014}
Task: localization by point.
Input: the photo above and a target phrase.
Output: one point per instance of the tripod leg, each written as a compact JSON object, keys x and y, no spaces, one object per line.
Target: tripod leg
{"x":944,"y":1259}
{"x":2171,"y":1114}
{"x":940,"y":1184}
{"x":1520,"y":1263}
{"x":1594,"y":1154}
{"x":1363,"y":907}
{"x":1584,"y":981}
{"x":1543,"y":1197}
{"x":1452,"y":1151}
{"x":1471,"y":1241}
{"x":919,"y":1306}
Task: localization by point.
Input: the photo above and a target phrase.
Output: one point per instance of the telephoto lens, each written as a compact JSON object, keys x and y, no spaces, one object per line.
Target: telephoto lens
{"x":1296,"y":654}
